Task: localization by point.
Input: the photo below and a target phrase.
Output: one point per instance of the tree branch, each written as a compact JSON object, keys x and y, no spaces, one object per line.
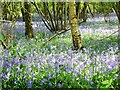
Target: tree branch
{"x":109,"y":35}
{"x":97,"y":41}
{"x":58,"y":33}
{"x":6,"y":21}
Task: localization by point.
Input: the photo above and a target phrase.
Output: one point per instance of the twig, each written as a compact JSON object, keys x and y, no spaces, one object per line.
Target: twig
{"x":96,"y":42}
{"x":3,"y":44}
{"x":6,"y":21}
{"x":109,"y":35}
{"x":55,"y":35}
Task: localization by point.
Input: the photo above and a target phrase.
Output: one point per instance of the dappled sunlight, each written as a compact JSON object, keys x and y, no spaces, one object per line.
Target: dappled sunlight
{"x":45,"y":62}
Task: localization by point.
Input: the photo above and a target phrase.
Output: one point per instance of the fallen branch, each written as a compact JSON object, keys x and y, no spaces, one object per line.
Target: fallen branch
{"x":109,"y":35}
{"x":3,"y":44}
{"x":6,"y":21}
{"x":97,"y":41}
{"x":81,"y":22}
{"x":55,"y":36}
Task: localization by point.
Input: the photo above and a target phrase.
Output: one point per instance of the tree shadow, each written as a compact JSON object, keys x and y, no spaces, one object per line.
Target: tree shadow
{"x":101,"y":46}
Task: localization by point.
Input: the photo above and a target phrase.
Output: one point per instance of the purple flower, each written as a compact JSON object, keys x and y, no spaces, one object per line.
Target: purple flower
{"x":1,"y":61}
{"x":29,"y":83}
{"x":27,"y":56}
{"x":109,"y":68}
{"x":50,"y":84}
{"x":6,"y":53}
{"x":3,"y":75}
{"x":52,"y":74}
{"x":85,"y":62}
{"x":17,"y":50}
{"x":18,"y":70}
{"x":60,"y":85}
{"x":69,"y":69}
{"x":7,"y":64}
{"x":76,"y":74}
{"x":58,"y":59}
{"x":44,"y":81}
{"x":71,"y":61}
{"x":57,"y":65}
{"x":91,"y":71}
{"x":70,"y":52}
{"x":49,"y":75}
{"x":16,"y":60}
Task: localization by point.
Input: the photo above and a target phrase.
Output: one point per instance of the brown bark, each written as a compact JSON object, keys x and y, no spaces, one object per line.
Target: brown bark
{"x":117,"y":10}
{"x":5,"y":11}
{"x":28,"y":22}
{"x":84,"y":12}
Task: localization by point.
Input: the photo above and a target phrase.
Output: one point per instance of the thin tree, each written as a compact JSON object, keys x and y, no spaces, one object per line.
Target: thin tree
{"x":5,"y":11}
{"x":116,"y":7}
{"x":76,"y":36}
{"x":28,"y":21}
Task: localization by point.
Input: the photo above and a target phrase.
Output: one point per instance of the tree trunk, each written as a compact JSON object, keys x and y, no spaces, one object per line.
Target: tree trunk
{"x":117,"y":10}
{"x":5,"y":11}
{"x":28,"y":22}
{"x":23,"y":14}
{"x":76,"y":36}
{"x":116,"y":7}
{"x":65,"y":16}
{"x":77,"y":9}
{"x":84,"y":12}
{"x":0,"y":10}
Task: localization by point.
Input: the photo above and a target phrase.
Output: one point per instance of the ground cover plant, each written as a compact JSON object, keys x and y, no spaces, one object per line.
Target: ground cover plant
{"x":28,"y":64}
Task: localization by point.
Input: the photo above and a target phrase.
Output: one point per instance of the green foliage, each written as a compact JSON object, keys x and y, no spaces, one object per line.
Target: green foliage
{"x":27,"y":52}
{"x":2,"y":37}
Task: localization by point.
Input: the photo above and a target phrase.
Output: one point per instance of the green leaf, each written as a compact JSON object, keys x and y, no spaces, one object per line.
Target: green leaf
{"x":2,"y":37}
{"x":105,"y":82}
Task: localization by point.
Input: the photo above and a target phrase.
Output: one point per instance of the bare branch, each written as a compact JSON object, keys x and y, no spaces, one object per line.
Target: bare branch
{"x":58,"y":33}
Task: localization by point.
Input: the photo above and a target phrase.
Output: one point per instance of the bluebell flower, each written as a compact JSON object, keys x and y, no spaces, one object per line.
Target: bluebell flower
{"x":6,"y":53}
{"x":69,"y":69}
{"x":16,"y":60}
{"x":109,"y":68}
{"x":29,"y":83}
{"x":4,"y":76}
{"x":71,"y":61}
{"x":52,"y":74}
{"x":27,"y":56}
{"x":17,"y":50}
{"x":76,"y":74}
{"x":57,"y":65}
{"x":49,"y":75}
{"x":50,"y":84}
{"x":60,"y":85}
{"x":105,"y":57}
{"x":7,"y":64}
{"x":85,"y":62}
{"x":44,"y":81}
{"x":1,"y":61}
{"x":58,"y":59}
{"x":91,"y":71}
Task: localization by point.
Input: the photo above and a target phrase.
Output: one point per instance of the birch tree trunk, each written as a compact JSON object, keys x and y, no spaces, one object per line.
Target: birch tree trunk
{"x":76,"y":36}
{"x":28,"y":22}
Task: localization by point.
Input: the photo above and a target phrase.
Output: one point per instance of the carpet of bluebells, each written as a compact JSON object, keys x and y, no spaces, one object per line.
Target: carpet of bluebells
{"x":28,"y":64}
